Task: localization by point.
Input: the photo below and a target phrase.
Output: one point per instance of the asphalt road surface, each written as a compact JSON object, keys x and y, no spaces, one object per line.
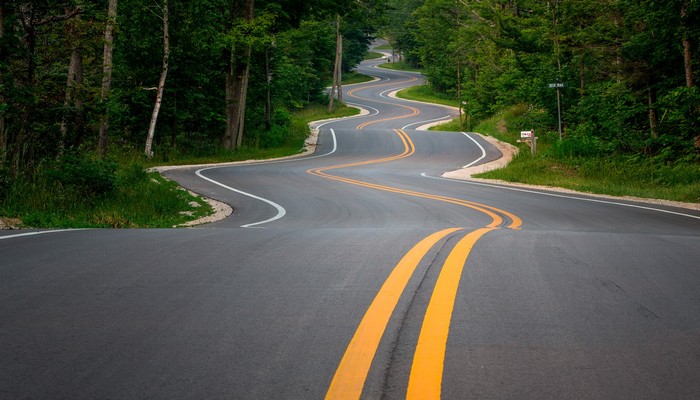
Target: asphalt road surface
{"x":358,"y":271}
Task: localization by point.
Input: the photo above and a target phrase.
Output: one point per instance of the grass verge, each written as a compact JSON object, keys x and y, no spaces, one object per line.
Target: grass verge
{"x":80,"y":191}
{"x":373,"y":55}
{"x":350,"y":78}
{"x":568,"y":164}
{"x":384,"y":47}
{"x":427,"y":94}
{"x":399,"y":66}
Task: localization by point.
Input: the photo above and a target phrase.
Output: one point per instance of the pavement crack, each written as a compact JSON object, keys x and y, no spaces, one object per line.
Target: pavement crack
{"x":393,"y":345}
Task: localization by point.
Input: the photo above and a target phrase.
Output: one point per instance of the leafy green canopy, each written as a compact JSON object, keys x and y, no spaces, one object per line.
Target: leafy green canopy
{"x":293,"y":48}
{"x":625,"y":63}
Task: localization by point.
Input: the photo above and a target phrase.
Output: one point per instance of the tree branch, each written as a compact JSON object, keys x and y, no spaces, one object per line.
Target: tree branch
{"x":58,"y":18}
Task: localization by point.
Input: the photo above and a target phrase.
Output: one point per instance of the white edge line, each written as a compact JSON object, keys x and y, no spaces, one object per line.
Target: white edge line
{"x":429,"y":120}
{"x":355,"y":116}
{"x":281,"y":212}
{"x":562,"y":196}
{"x":483,"y":152}
{"x":37,"y":233}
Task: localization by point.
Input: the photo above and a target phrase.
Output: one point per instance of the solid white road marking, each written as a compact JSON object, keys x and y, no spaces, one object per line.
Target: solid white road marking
{"x":483,"y":152}
{"x":563,"y":196}
{"x":37,"y":233}
{"x":428,"y":121}
{"x":281,"y":211}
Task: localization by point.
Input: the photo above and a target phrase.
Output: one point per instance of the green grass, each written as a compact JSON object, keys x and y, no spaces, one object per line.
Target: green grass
{"x":373,"y":55}
{"x":384,"y":47}
{"x":557,"y":164}
{"x":399,"y":66}
{"x":136,"y":200}
{"x":83,"y":192}
{"x":350,"y":78}
{"x":292,"y":144}
{"x":427,"y":94}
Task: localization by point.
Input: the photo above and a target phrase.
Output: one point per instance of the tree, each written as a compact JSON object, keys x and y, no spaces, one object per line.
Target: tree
{"x":161,"y":82}
{"x":107,"y":68}
{"x":237,"y":74}
{"x":337,"y":87}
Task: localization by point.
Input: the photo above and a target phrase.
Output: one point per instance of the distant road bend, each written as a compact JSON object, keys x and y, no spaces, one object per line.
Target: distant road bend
{"x":358,"y":272}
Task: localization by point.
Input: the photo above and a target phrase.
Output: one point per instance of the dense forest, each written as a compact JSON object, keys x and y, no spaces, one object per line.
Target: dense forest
{"x":89,"y":86}
{"x":628,"y":66}
{"x":105,"y":76}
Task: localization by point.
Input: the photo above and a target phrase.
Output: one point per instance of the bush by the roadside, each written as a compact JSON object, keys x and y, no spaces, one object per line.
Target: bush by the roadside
{"x":588,"y":164}
{"x":83,"y":192}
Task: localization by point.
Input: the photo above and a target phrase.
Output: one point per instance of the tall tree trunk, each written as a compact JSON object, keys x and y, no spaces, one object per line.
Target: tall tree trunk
{"x":229,"y":138}
{"x":688,"y":60}
{"x":107,"y":77}
{"x":268,"y":95}
{"x":339,"y":45}
{"x":687,"y":46}
{"x":336,"y":67}
{"x":3,"y":131}
{"x":237,"y":83}
{"x":653,"y":117}
{"x":582,"y":76}
{"x":74,"y":79}
{"x":23,"y":142}
{"x":161,"y":83}
{"x":243,"y":97}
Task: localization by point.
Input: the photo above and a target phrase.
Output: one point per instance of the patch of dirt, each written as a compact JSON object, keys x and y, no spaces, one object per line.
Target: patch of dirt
{"x":501,"y":126}
{"x":10,"y":223}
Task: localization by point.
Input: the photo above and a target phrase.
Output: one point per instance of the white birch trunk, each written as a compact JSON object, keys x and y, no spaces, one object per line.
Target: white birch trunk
{"x":161,"y":83}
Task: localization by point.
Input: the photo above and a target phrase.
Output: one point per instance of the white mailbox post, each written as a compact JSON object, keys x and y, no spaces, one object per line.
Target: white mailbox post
{"x":529,"y":138}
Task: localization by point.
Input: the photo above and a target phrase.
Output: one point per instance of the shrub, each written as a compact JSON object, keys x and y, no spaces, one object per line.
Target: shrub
{"x":86,"y":176}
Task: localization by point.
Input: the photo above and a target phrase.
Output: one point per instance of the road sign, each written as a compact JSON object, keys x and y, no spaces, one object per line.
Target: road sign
{"x":526,"y":134}
{"x":558,"y":85}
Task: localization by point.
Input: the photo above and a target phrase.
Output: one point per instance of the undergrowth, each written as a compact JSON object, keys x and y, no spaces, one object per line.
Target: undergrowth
{"x":585,"y":165}
{"x":82,"y":191}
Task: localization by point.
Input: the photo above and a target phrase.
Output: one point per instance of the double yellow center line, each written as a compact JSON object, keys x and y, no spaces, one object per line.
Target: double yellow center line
{"x":425,"y":380}
{"x":413,"y":111}
{"x":496,"y":214}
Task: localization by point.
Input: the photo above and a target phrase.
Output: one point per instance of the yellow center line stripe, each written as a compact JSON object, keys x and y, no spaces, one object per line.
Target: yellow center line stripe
{"x":349,"y":378}
{"x":351,"y":92}
{"x":425,"y":381}
{"x":409,"y":149}
{"x":414,"y":111}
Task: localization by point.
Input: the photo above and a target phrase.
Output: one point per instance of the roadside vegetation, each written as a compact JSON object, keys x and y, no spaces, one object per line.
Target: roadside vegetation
{"x":627,"y":78}
{"x":427,"y":94}
{"x":581,"y":165}
{"x":400,"y":66}
{"x":94,"y":92}
{"x":79,"y":191}
{"x":372,"y":55}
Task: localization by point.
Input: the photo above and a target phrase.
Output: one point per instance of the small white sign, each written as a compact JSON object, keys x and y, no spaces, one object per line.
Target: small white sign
{"x":526,"y":134}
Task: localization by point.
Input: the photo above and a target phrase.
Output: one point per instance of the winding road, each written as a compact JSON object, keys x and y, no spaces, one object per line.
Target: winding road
{"x":359,"y":271}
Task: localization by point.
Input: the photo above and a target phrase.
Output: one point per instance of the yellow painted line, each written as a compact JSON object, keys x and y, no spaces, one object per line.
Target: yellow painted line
{"x":352,"y":91}
{"x":414,"y":111}
{"x":425,"y":381}
{"x":409,"y":149}
{"x":349,"y":378}
{"x":426,"y":374}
